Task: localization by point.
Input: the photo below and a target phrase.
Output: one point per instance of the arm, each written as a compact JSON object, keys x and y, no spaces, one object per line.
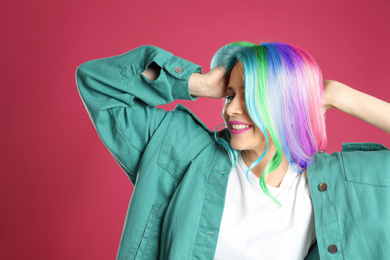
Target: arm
{"x":211,"y":84}
{"x":358,"y":104}
{"x":121,"y":101}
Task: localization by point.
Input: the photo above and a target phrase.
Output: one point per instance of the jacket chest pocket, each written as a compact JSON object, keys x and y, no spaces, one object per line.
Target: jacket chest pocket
{"x":368,"y":167}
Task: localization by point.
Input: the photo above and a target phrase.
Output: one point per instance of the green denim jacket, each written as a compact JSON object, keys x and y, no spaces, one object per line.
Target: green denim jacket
{"x":180,"y":173}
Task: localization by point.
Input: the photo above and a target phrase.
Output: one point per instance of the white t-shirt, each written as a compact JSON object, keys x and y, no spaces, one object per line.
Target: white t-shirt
{"x":253,"y":227}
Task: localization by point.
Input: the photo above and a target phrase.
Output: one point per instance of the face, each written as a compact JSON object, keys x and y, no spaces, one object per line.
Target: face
{"x":244,"y":134}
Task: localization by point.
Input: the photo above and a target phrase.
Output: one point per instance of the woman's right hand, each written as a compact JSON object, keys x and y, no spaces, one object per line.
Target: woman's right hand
{"x":217,"y":81}
{"x":212,"y":84}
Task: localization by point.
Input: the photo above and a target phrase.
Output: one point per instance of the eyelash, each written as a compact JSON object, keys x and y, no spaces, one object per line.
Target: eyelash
{"x":229,"y":98}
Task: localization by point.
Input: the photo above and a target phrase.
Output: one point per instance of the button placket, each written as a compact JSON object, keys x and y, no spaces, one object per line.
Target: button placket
{"x":333,"y":249}
{"x":322,"y":188}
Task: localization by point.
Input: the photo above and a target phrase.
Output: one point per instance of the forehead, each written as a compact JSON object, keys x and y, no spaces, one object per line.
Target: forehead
{"x":236,"y":81}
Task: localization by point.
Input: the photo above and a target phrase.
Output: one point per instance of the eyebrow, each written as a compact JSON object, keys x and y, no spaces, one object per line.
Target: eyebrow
{"x":229,"y":88}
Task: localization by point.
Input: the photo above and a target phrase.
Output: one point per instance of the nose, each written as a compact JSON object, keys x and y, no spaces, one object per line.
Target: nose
{"x":235,"y":107}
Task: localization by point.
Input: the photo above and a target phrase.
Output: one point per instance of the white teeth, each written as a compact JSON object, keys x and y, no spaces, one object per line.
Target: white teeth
{"x":238,"y":127}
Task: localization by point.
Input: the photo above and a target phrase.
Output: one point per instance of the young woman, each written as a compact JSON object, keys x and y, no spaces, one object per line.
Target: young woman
{"x":261,"y":188}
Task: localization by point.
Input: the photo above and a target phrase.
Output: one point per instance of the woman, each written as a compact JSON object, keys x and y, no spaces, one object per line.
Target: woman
{"x":189,"y":200}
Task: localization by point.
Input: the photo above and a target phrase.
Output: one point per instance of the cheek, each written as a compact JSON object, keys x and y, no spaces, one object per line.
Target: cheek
{"x":225,"y":116}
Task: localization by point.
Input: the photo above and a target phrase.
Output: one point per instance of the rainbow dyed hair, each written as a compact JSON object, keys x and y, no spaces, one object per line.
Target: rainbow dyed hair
{"x":283,"y":96}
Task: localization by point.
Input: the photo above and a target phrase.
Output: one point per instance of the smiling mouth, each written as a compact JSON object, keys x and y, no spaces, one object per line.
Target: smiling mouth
{"x":239,"y":127}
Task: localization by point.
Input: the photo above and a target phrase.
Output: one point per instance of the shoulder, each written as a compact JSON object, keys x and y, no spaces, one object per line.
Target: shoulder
{"x":357,"y":151}
{"x":184,"y":115}
{"x":192,"y":124}
{"x":186,"y":136}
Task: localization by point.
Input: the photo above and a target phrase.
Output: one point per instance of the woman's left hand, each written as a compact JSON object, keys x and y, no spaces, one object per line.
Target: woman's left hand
{"x":358,"y":104}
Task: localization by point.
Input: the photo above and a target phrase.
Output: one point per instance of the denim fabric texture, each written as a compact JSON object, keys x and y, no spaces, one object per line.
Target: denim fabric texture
{"x":180,"y":173}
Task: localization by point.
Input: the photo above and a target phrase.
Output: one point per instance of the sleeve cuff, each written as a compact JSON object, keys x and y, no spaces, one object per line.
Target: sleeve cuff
{"x":181,"y":71}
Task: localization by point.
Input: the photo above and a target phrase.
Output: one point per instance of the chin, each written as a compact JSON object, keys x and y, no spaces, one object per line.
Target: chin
{"x":237,"y":146}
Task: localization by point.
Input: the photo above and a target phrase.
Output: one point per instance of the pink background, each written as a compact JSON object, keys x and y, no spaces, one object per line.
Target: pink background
{"x":63,"y":196}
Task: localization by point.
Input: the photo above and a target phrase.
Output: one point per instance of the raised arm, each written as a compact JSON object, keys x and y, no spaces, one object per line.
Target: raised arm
{"x":121,"y":100}
{"x":358,"y":104}
{"x":211,"y":84}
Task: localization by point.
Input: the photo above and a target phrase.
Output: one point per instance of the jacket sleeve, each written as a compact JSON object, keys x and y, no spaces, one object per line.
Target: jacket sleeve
{"x":121,"y":101}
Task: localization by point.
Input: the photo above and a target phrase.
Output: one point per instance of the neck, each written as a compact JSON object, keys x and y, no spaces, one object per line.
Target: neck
{"x":274,"y":178}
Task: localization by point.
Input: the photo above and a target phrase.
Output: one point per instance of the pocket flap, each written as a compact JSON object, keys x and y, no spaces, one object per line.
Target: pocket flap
{"x":367,"y":163}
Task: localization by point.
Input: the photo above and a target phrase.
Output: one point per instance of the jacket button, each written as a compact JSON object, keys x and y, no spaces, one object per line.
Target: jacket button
{"x":333,"y":249}
{"x":178,"y":69}
{"x":323,"y":186}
